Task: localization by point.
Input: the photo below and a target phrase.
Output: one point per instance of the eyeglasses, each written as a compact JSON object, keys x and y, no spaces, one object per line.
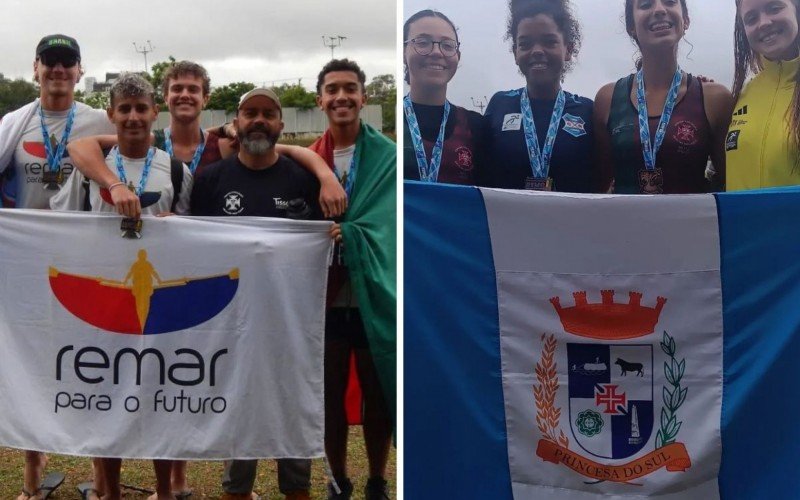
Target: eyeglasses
{"x":50,"y":59}
{"x":424,"y":46}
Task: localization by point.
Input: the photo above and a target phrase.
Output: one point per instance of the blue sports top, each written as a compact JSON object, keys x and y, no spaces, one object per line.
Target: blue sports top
{"x":508,"y":165}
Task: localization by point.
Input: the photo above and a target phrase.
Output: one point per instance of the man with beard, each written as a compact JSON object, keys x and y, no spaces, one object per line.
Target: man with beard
{"x":186,"y":89}
{"x":361,"y":318}
{"x":257,"y":182}
{"x":34,"y":165}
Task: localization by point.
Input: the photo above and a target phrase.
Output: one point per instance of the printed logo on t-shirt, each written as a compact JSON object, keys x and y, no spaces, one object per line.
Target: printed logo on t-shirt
{"x":233,"y":203}
{"x":464,"y":158}
{"x":574,"y":125}
{"x":732,"y":140}
{"x":741,"y":111}
{"x":686,"y":133}
{"x":512,"y":121}
{"x":281,"y":204}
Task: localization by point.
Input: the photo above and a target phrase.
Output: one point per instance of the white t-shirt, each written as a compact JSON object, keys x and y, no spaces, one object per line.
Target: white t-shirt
{"x":342,"y":159}
{"x":30,"y":155}
{"x":157,"y":195}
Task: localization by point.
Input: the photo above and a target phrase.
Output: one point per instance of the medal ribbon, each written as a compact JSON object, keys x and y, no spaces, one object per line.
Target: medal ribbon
{"x":650,"y":150}
{"x":197,"y":152}
{"x":54,"y":157}
{"x":540,"y":158}
{"x":145,"y":171}
{"x":351,"y":174}
{"x":426,"y":173}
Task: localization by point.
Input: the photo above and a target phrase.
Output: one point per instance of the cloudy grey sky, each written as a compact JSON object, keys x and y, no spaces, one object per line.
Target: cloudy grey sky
{"x":487,"y":64}
{"x":237,"y":40}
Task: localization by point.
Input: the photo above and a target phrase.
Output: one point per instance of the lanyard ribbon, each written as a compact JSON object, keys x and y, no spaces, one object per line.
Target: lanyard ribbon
{"x":54,"y":157}
{"x":650,"y":150}
{"x":540,"y":157}
{"x":197,"y":152}
{"x":427,"y":173}
{"x":145,"y":171}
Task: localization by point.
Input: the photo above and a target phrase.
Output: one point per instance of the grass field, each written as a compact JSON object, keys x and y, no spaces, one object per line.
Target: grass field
{"x":204,"y":477}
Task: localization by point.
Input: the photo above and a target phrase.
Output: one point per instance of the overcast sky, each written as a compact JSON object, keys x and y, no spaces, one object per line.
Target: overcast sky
{"x":239,"y":40}
{"x":487,"y":64}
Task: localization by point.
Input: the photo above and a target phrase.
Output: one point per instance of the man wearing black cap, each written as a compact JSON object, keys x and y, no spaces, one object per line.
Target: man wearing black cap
{"x":258,"y":182}
{"x":33,"y":157}
{"x":33,"y":138}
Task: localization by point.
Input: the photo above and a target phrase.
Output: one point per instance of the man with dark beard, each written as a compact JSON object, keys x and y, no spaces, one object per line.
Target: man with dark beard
{"x":257,"y":182}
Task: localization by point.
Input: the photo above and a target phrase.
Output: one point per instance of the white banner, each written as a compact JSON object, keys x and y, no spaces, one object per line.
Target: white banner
{"x":203,"y":339}
{"x":611,"y":344}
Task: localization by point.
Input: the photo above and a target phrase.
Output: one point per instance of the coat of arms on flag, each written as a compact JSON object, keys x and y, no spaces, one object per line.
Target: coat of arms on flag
{"x":610,"y":392}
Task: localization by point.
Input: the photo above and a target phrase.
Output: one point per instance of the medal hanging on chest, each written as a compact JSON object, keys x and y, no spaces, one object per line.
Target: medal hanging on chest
{"x":53,"y":176}
{"x":540,"y":179}
{"x":427,"y":172}
{"x":651,"y":178}
{"x":130,"y":227}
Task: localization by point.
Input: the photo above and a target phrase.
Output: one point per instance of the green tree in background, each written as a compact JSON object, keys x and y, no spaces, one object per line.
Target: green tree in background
{"x":16,"y":93}
{"x":97,"y":100}
{"x":295,"y":96}
{"x":227,"y":96}
{"x":383,"y":90}
{"x":156,"y":77}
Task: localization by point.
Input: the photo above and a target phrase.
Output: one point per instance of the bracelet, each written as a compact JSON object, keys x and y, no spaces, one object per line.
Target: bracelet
{"x":112,"y":186}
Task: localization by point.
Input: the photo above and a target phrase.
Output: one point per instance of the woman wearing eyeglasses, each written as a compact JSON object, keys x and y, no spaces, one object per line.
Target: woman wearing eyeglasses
{"x":441,"y":139}
{"x":539,"y":137}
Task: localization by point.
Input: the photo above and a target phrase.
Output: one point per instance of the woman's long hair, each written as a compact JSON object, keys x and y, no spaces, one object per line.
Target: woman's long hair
{"x":747,"y":61}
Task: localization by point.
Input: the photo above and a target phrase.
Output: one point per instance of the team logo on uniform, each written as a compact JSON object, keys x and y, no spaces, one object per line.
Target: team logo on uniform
{"x":233,"y":203}
{"x":512,"y":121}
{"x":732,"y":140}
{"x":464,"y":158}
{"x":574,"y":125}
{"x":686,"y":133}
{"x":614,"y":413}
{"x":143,"y":303}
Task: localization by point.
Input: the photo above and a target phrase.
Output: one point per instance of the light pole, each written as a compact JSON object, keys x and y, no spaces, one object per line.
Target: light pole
{"x":480,"y":104}
{"x":144,"y":50}
{"x":332,"y":42}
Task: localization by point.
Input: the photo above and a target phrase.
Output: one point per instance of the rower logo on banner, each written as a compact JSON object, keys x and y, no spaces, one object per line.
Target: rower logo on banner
{"x":613,"y":410}
{"x":143,"y":303}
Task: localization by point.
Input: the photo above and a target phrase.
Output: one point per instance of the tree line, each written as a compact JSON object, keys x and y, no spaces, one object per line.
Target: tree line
{"x":381,"y":90}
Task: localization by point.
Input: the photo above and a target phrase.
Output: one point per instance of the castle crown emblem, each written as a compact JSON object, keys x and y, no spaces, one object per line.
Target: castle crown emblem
{"x":608,"y":319}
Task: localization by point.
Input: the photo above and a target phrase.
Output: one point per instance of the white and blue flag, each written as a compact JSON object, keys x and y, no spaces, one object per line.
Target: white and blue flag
{"x":582,"y":346}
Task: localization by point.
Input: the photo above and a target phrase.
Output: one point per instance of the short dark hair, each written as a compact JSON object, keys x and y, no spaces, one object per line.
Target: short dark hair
{"x":181,"y":68}
{"x":341,"y":65}
{"x":416,"y":17}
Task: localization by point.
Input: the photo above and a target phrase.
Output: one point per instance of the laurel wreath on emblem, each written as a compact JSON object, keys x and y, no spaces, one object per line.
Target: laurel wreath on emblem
{"x":547,"y":415}
{"x":673,"y":399}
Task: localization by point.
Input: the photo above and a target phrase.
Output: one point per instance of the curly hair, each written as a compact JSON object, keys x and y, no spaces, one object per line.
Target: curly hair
{"x":131,"y":85}
{"x":182,"y":68}
{"x":747,"y":61}
{"x":561,"y":13}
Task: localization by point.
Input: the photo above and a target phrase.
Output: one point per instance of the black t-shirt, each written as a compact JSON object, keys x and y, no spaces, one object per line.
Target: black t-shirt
{"x":227,"y":187}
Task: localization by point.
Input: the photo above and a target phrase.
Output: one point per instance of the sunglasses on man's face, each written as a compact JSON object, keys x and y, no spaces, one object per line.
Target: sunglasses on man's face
{"x":51,"y":59}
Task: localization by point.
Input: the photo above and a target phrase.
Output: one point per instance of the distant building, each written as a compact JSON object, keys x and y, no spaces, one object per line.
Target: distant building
{"x":93,"y":86}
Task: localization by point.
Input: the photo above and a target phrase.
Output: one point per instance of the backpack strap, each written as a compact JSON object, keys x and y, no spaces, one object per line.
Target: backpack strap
{"x":176,"y":174}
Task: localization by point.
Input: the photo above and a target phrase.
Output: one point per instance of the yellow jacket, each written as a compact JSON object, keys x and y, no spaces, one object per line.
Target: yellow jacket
{"x":758,"y":151}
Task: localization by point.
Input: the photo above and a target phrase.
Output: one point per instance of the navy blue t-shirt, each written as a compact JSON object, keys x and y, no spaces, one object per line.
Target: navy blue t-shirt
{"x":571,"y":166}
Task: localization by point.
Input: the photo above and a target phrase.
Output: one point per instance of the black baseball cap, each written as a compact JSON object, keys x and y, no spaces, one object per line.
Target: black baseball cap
{"x":62,"y":42}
